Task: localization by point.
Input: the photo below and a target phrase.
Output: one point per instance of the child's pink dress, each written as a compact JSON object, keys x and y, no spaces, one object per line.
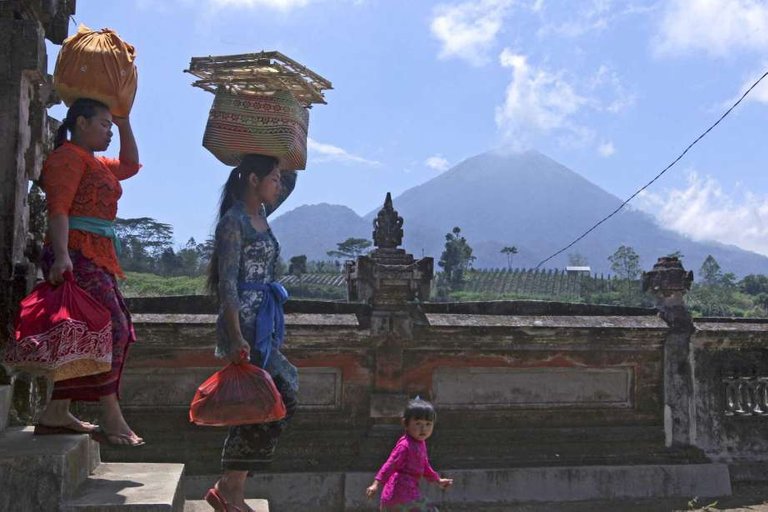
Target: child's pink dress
{"x":400,"y":475}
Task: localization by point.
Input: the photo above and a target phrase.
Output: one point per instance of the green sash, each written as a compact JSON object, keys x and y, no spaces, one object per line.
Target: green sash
{"x":101,"y":227}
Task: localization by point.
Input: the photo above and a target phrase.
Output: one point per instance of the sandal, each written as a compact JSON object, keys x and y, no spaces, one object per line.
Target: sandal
{"x":72,"y":428}
{"x":104,"y":437}
{"x":214,"y":498}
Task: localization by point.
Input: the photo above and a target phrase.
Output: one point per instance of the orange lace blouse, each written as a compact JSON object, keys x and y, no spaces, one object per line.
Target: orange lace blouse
{"x":76,"y":183}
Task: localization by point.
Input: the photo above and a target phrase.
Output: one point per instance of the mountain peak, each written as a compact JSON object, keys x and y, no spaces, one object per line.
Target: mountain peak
{"x":506,"y":197}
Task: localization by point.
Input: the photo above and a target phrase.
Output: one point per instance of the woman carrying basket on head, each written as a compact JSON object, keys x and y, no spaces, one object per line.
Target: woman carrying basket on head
{"x":82,"y":191}
{"x":250,"y":323}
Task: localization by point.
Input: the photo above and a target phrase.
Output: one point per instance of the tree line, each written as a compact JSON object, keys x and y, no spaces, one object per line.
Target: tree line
{"x":148,"y":248}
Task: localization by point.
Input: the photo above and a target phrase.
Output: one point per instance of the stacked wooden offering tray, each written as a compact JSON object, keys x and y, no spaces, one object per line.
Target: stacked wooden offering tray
{"x":261,"y":106}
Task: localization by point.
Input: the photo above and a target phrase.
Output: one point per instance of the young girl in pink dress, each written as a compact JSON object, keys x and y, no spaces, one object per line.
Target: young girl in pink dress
{"x":408,"y":462}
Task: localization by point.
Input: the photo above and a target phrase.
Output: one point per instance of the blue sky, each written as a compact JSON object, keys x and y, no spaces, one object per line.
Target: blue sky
{"x":612,"y":89}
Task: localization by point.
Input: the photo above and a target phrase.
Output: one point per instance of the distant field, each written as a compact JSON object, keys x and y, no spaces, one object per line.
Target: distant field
{"x":316,"y":286}
{"x":480,"y":284}
{"x":150,"y":285}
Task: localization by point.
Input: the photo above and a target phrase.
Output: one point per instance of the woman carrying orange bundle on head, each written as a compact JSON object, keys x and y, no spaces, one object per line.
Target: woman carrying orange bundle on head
{"x":82,"y":191}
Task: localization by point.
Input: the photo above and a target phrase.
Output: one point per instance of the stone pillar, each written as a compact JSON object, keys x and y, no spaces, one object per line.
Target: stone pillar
{"x":25,"y":139}
{"x":393,"y":283}
{"x":668,"y":282}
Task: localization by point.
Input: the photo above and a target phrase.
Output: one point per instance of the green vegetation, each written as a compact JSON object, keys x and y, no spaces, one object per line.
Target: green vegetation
{"x":456,"y":260}
{"x":554,"y":285}
{"x":154,"y":268}
{"x":138,"y":284}
{"x":509,"y":250}
{"x":350,"y":248}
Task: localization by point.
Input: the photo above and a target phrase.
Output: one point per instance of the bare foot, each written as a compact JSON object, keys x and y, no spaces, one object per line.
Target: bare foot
{"x":233,"y":496}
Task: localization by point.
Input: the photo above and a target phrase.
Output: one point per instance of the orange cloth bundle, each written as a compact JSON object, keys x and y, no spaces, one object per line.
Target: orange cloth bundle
{"x":273,"y":125}
{"x":240,"y":394}
{"x":97,"y":65}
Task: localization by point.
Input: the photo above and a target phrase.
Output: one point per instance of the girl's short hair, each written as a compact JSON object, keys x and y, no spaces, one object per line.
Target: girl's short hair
{"x":418,"y":409}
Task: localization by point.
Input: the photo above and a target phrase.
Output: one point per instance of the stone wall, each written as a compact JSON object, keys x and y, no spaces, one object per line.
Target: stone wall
{"x":730,"y":361}
{"x":566,"y":383}
{"x":25,"y":139}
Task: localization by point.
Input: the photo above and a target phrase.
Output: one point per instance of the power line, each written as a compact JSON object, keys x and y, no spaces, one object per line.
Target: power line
{"x":617,"y":210}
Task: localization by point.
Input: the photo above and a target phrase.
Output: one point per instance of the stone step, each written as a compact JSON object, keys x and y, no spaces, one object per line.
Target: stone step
{"x":746,"y":498}
{"x":478,"y":489}
{"x":591,"y":482}
{"x":508,"y":489}
{"x":5,"y":406}
{"x":202,"y":506}
{"x":139,"y":487}
{"x":39,"y":472}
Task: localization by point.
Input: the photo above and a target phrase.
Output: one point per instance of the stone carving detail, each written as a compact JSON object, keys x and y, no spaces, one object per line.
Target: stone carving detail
{"x":389,"y":279}
{"x":388,"y":226}
{"x":669,"y":282}
{"x":746,"y":396}
{"x":667,"y":277}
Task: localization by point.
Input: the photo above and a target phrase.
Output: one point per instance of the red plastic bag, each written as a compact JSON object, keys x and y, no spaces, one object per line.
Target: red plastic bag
{"x":61,"y":332}
{"x":239,"y":394}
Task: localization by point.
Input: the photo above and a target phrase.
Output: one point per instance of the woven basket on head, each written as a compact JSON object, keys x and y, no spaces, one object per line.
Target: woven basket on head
{"x":261,"y":106}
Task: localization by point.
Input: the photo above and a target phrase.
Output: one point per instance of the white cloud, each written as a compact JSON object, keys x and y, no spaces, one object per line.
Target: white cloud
{"x":606,"y":149}
{"x":537,"y":101}
{"x":330,"y":153}
{"x":715,"y":27}
{"x":758,"y":94}
{"x":586,"y":17}
{"x":437,"y":163}
{"x":606,"y":81}
{"x":592,"y":16}
{"x":703,"y":211}
{"x":542,"y":102}
{"x":468,"y":30}
{"x":283,"y":5}
{"x":279,"y":5}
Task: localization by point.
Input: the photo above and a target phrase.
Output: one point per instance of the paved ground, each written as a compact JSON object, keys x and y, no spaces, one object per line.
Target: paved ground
{"x":745,"y":498}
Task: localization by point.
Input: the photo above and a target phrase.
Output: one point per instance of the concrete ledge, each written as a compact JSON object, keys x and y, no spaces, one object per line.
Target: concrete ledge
{"x":5,"y":406}
{"x":564,"y":484}
{"x":202,"y":506}
{"x":748,"y":471}
{"x":130,"y":488}
{"x":38,"y":472}
{"x":478,"y":489}
{"x":286,"y":492}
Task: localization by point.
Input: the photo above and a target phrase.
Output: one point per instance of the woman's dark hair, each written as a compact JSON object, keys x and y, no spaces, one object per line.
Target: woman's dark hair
{"x":84,"y":107}
{"x":233,"y":190}
{"x":418,"y":409}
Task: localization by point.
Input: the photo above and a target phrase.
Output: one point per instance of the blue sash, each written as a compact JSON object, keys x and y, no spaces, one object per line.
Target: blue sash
{"x":269,"y":330}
